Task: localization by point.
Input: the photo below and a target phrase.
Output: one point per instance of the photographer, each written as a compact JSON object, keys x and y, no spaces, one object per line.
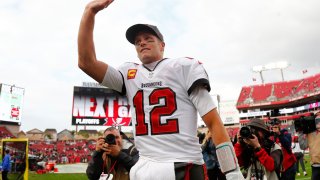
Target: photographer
{"x":210,"y":158}
{"x":259,"y":156}
{"x":113,"y":158}
{"x":299,"y":154}
{"x":311,"y":138}
{"x":284,"y":139}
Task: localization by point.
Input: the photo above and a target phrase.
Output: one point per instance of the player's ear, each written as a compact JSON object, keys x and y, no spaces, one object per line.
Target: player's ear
{"x":163,"y":44}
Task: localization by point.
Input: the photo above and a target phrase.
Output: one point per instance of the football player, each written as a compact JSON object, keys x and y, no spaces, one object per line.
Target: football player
{"x":165,"y":95}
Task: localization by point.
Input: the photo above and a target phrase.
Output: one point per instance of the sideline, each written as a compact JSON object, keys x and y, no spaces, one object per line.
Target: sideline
{"x":72,"y":168}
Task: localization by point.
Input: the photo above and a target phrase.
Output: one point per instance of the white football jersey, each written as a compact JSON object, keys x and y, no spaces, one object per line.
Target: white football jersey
{"x":164,"y":119}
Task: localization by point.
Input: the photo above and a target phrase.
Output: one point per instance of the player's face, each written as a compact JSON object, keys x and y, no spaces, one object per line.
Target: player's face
{"x":149,"y":48}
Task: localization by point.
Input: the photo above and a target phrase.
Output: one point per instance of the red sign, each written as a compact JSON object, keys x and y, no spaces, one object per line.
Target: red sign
{"x":100,"y":106}
{"x":14,"y":112}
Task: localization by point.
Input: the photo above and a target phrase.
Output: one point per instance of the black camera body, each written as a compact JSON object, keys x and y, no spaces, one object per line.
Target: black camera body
{"x":245,"y":132}
{"x":306,"y":124}
{"x":110,"y":139}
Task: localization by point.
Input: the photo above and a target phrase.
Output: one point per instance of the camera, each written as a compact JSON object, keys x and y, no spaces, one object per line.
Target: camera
{"x":306,"y":124}
{"x":110,"y":139}
{"x":245,"y":132}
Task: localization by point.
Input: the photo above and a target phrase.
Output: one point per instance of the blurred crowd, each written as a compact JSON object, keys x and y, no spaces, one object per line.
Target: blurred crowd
{"x":266,"y":150}
{"x":73,"y":151}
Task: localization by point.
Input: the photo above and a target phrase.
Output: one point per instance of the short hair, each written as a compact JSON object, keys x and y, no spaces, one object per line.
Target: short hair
{"x":7,"y":151}
{"x":112,"y":128}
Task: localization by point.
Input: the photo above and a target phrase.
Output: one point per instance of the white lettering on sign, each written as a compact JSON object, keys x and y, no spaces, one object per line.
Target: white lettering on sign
{"x":100,"y":107}
{"x":110,"y":106}
{"x":87,"y":121}
{"x":99,"y":112}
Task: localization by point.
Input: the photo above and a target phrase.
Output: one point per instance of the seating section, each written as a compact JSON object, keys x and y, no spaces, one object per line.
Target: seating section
{"x":261,"y":92}
{"x":279,"y":90}
{"x":245,"y":92}
{"x":309,"y":84}
{"x":284,"y":89}
{"x":5,"y":133}
{"x":63,"y":151}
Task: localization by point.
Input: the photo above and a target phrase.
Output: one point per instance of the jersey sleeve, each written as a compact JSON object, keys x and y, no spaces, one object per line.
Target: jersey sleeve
{"x":114,"y":78}
{"x":196,"y":75}
{"x":202,"y":100}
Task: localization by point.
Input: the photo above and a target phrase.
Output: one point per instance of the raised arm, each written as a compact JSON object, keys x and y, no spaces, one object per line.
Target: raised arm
{"x":87,"y":60}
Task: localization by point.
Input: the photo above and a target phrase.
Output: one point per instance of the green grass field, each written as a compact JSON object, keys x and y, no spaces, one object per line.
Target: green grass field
{"x":58,"y":176}
{"x":82,"y":176}
{"x":308,"y":168}
{"x":53,"y":176}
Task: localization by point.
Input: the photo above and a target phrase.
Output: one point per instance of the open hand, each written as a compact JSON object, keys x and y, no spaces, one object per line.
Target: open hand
{"x":98,"y":5}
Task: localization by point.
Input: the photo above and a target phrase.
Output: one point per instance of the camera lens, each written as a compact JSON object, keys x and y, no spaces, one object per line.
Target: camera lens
{"x":245,"y":132}
{"x":110,"y":139}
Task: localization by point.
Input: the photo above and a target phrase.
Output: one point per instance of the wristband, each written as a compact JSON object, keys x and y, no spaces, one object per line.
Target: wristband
{"x":226,"y":157}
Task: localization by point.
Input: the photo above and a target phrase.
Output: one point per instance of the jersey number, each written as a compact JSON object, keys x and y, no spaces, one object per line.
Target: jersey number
{"x":169,"y":107}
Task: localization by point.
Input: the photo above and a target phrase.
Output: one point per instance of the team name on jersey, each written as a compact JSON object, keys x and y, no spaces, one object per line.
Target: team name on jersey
{"x":151,"y":84}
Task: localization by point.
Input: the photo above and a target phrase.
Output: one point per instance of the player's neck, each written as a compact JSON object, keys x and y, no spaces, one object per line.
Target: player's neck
{"x":151,"y":66}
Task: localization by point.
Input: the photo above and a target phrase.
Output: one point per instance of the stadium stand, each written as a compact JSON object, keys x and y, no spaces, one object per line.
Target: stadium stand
{"x":279,"y":92}
{"x":5,"y":133}
{"x":62,"y":152}
{"x":245,"y":94}
{"x":285,"y":89}
{"x":286,"y":100}
{"x":261,"y":92}
{"x":60,"y":148}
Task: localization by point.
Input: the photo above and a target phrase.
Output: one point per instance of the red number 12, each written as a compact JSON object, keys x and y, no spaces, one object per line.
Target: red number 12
{"x":170,"y":106}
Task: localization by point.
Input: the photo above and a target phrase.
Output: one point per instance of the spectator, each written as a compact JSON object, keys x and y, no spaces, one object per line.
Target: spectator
{"x":6,"y":165}
{"x":112,"y":159}
{"x":258,"y":155}
{"x":312,"y":140}
{"x":299,"y":154}
{"x":284,"y":138}
{"x":201,"y":137}
{"x":210,"y":158}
